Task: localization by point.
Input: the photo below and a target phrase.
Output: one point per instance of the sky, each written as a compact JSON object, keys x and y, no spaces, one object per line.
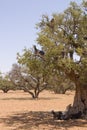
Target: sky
{"x":18,"y":19}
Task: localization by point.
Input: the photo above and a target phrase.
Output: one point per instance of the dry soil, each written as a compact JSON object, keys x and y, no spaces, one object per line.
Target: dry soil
{"x":18,"y":111}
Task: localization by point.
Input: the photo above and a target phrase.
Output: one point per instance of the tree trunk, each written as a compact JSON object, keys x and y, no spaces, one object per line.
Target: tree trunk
{"x":80,"y":99}
{"x":36,"y":95}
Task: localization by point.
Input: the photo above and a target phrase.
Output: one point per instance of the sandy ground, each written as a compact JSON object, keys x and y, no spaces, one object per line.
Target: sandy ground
{"x":18,"y":111}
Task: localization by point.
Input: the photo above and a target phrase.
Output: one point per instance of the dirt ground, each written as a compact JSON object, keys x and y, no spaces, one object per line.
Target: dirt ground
{"x":18,"y":111}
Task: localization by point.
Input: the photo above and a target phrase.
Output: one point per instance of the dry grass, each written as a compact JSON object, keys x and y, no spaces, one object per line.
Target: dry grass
{"x":18,"y":111}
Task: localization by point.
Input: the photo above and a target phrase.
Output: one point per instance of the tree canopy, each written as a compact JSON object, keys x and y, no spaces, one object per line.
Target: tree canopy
{"x":64,"y":39}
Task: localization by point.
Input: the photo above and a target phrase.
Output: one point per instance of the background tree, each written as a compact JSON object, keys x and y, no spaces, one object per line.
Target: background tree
{"x":61,"y":85}
{"x":65,"y":45}
{"x":30,"y":75}
{"x":5,"y":83}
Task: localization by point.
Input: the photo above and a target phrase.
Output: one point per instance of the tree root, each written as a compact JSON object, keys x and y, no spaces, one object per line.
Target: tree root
{"x":69,"y":113}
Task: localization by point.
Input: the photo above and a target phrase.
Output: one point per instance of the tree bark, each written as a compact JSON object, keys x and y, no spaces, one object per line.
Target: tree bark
{"x":80,"y":99}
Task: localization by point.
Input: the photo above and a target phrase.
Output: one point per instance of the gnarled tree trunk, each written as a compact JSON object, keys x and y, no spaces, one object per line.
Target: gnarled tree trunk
{"x":80,"y":99}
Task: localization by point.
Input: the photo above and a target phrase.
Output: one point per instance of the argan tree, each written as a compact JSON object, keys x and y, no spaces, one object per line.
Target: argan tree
{"x":29,"y":74}
{"x":64,"y":40}
{"x":61,"y":85}
{"x":58,"y":82}
{"x":6,"y":84}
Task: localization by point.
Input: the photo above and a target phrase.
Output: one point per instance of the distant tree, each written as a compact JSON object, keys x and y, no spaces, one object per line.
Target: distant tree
{"x":61,"y":85}
{"x":6,"y":84}
{"x":65,"y":46}
{"x":29,"y":75}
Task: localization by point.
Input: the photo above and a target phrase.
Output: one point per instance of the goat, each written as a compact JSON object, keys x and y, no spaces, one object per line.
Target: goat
{"x":38,"y":52}
{"x":57,"y":115}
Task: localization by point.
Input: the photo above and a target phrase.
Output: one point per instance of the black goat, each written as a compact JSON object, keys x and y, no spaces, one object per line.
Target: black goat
{"x":64,"y":116}
{"x":38,"y":52}
{"x":59,"y":115}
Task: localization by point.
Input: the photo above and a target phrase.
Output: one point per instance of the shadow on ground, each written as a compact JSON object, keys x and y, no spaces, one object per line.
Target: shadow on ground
{"x":40,"y":121}
{"x":30,"y":98}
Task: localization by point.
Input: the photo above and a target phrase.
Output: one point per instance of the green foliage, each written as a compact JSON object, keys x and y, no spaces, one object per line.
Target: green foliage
{"x":45,"y":41}
{"x":63,"y":87}
{"x":6,"y":84}
{"x":35,"y":71}
{"x":67,"y":38}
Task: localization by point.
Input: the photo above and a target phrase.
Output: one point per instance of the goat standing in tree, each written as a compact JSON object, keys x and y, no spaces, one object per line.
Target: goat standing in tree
{"x":39,"y":53}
